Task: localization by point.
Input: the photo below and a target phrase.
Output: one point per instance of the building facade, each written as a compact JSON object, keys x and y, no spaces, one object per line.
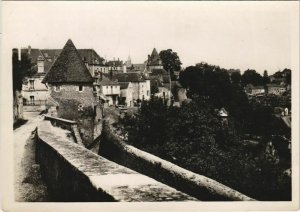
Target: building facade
{"x":70,"y":85}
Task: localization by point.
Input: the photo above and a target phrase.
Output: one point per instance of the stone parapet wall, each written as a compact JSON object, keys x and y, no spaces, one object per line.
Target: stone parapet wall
{"x":73,"y":173}
{"x":199,"y":186}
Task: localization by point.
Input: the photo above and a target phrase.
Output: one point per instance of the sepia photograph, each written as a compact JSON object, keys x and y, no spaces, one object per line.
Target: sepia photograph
{"x":175,"y":105}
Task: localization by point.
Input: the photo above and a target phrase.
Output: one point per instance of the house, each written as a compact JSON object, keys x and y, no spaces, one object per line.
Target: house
{"x":115,"y":65}
{"x":140,"y":84}
{"x":275,"y":89}
{"x":109,"y":88}
{"x":70,"y":86}
{"x":126,"y":97}
{"x":160,"y":82}
{"x":34,"y":91}
{"x":153,"y":61}
{"x":254,"y":90}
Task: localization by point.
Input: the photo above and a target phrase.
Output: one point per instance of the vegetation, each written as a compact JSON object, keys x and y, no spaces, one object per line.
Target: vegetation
{"x":170,"y":61}
{"x":21,"y":69}
{"x":235,"y":151}
{"x":193,"y":137}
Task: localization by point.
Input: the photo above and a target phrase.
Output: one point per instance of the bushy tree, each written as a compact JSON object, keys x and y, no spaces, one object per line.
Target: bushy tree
{"x":170,"y":61}
{"x":21,"y":69}
{"x":250,"y":76}
{"x":236,"y":77}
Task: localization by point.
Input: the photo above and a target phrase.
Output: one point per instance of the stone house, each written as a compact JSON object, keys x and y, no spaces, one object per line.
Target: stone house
{"x":109,"y":88}
{"x":139,"y":82}
{"x":126,"y":94}
{"x":70,"y":86}
{"x":254,"y":90}
{"x":275,"y":89}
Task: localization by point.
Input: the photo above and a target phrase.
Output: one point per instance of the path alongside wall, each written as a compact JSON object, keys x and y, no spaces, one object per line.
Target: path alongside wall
{"x":199,"y":186}
{"x":73,"y":173}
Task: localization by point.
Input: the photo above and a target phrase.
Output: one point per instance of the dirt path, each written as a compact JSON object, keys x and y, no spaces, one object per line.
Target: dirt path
{"x":28,"y":184}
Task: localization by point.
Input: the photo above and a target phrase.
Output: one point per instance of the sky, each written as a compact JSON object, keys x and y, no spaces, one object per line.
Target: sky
{"x":240,"y":35}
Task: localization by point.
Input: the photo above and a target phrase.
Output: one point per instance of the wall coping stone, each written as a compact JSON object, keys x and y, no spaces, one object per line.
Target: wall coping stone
{"x":122,"y":183}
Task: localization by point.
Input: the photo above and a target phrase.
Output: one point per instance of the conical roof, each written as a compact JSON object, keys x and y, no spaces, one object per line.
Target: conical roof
{"x":154,"y":58}
{"x":68,"y":67}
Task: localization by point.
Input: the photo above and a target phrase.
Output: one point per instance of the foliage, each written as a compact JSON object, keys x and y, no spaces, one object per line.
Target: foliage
{"x":266,"y":78}
{"x":21,"y":69}
{"x":251,"y":77}
{"x":193,"y":137}
{"x":236,"y":77}
{"x":170,"y":61}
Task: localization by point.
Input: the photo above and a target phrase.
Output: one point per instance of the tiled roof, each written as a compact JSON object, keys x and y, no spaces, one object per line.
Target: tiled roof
{"x":68,"y":67}
{"x":33,"y":54}
{"x":106,"y":81}
{"x":129,"y":77}
{"x":124,"y":85}
{"x":90,"y":56}
{"x":115,"y":63}
{"x":50,"y":55}
{"x":159,"y":72}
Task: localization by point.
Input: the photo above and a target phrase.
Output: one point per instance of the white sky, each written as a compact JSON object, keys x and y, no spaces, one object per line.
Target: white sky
{"x":258,"y":35}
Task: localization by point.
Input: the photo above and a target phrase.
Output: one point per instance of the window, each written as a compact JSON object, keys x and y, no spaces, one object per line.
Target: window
{"x":57,"y":88}
{"x":148,"y":93}
{"x":80,"y":88}
{"x":31,"y":84}
{"x":32,"y":100}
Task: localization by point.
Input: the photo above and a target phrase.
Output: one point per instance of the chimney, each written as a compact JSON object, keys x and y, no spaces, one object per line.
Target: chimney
{"x":124,"y":68}
{"x":29,"y":50}
{"x":111,"y":74}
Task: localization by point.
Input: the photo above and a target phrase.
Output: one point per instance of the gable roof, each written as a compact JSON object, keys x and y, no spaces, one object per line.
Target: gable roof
{"x":124,"y":85}
{"x":106,"y":81}
{"x":68,"y":67}
{"x":129,"y":77}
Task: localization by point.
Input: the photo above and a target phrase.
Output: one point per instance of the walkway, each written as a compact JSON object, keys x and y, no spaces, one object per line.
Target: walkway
{"x":28,"y":184}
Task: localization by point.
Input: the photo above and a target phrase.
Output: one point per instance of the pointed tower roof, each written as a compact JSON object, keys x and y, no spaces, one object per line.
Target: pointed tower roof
{"x":68,"y":67}
{"x":154,"y":53}
{"x":154,"y":58}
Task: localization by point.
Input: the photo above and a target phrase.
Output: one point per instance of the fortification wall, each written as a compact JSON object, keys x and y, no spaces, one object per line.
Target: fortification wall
{"x":73,"y":173}
{"x":199,"y":186}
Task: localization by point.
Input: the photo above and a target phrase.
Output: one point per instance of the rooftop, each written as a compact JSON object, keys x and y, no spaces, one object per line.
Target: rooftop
{"x":68,"y":67}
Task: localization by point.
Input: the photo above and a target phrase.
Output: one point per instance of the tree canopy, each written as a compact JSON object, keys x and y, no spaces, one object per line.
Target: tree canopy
{"x":250,"y":76}
{"x":170,"y":61}
{"x":21,"y":69}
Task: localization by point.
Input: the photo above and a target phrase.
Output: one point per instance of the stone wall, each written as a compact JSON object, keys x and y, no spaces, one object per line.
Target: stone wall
{"x":80,"y":106}
{"x":199,"y":186}
{"x":73,"y":173}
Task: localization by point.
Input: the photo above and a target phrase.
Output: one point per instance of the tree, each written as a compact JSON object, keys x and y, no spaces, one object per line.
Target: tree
{"x":170,"y":61}
{"x":266,"y":78}
{"x":236,"y":77}
{"x":21,"y":69}
{"x":251,"y":77}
